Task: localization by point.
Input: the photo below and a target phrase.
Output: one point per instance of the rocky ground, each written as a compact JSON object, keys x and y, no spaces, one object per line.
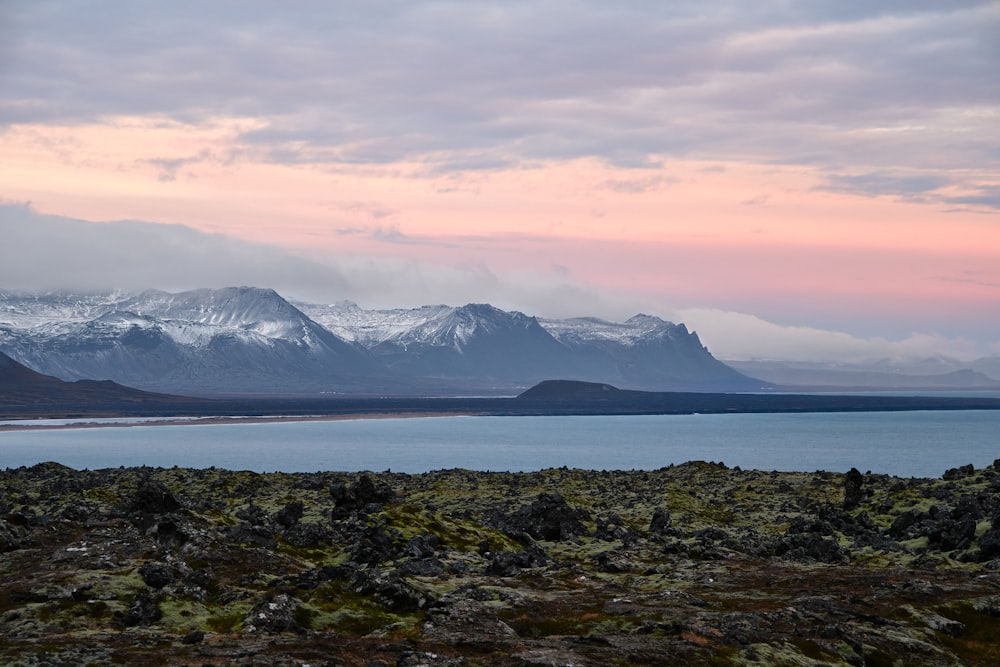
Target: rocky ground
{"x":695,"y":564}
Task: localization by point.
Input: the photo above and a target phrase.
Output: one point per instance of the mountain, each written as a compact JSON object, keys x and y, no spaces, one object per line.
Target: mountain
{"x":919,"y":375}
{"x":478,"y":342}
{"x":474,"y":347}
{"x":231,"y":340}
{"x":988,"y":366}
{"x":21,"y":387}
{"x":646,"y":352}
{"x":245,"y":340}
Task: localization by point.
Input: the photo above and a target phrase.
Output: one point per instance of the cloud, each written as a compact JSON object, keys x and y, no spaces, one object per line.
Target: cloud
{"x":168,"y":167}
{"x":467,"y":86}
{"x":639,"y":185}
{"x":45,"y":252}
{"x":42,"y":252}
{"x":742,"y":337}
{"x":985,"y":196}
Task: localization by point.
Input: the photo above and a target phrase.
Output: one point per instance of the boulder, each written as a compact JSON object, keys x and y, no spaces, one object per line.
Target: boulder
{"x":549,"y":518}
{"x":661,"y":523}
{"x":363,"y":496}
{"x":854,"y":491}
{"x":510,"y":563}
{"x":274,"y":615}
{"x":958,"y":473}
{"x":989,"y":544}
{"x":142,"y":611}
{"x":373,"y":545}
{"x":290,"y":514}
{"x":152,"y":497}
{"x":157,"y":575}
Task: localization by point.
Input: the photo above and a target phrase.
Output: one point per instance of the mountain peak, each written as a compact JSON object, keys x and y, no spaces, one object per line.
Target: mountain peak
{"x":247,"y":307}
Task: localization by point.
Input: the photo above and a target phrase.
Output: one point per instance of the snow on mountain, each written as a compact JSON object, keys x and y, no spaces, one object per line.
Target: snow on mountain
{"x":250,"y":309}
{"x":479,"y":340}
{"x":245,"y":339}
{"x":368,"y":328}
{"x":27,"y":311}
{"x":235,"y":339}
{"x":457,"y":327}
{"x":476,"y":343}
{"x":646,"y":352}
{"x":591,"y":329}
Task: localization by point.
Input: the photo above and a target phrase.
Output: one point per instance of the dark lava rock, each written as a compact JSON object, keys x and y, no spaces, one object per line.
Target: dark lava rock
{"x":510,"y":563}
{"x":290,"y":514}
{"x":168,"y":532}
{"x":373,"y":545}
{"x":254,"y":515}
{"x":902,"y":524}
{"x":853,"y":489}
{"x":424,"y":567}
{"x":549,"y":517}
{"x":152,"y":497}
{"x":613,"y":562}
{"x":247,"y":534}
{"x":364,"y":496}
{"x":612,"y":528}
{"x":308,"y":535}
{"x":391,"y":590}
{"x":989,"y":544}
{"x":951,"y":535}
{"x":422,"y":546}
{"x":661,"y":523}
{"x":274,"y":615}
{"x":193,"y":637}
{"x":142,"y":611}
{"x":958,"y":473}
{"x":810,"y":546}
{"x":12,"y":537}
{"x":157,"y":575}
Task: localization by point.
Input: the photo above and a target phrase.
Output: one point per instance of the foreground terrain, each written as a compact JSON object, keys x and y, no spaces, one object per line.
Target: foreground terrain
{"x":695,"y":564}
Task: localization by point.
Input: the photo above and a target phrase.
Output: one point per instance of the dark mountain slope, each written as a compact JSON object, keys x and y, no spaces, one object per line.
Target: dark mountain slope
{"x":21,"y":387}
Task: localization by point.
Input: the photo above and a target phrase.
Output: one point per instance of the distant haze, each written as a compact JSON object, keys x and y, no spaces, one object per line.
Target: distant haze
{"x":792,"y":181}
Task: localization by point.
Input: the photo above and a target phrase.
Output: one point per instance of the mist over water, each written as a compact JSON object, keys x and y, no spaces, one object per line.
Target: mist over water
{"x":918,"y":444}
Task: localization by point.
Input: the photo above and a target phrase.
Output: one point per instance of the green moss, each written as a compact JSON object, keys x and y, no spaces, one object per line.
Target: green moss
{"x":181,"y":616}
{"x":230,"y":621}
{"x":462,"y":535}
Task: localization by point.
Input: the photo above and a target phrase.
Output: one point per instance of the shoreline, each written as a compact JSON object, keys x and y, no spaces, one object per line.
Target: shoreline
{"x":223,"y":420}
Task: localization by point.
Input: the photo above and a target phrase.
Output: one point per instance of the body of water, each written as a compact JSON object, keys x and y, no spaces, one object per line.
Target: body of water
{"x":919,"y":444}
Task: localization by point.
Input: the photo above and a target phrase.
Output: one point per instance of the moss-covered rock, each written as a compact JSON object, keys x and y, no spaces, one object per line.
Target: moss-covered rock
{"x":691,"y":564}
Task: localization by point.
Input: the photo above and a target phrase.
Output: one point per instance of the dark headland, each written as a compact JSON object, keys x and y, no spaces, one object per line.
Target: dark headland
{"x":25,"y":394}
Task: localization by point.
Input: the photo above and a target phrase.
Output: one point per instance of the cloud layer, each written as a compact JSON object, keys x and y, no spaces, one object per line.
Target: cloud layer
{"x":42,"y":253}
{"x":888,"y":98}
{"x":830,"y":165}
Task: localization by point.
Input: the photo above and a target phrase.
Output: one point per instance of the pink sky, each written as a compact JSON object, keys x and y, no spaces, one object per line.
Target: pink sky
{"x":688,"y":231}
{"x":759,"y":164}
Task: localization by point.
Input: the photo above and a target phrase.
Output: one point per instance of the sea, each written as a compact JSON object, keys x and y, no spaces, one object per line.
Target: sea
{"x":905,"y":444}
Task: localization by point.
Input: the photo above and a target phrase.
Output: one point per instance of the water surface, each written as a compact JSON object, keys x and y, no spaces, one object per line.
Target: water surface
{"x":907,"y":444}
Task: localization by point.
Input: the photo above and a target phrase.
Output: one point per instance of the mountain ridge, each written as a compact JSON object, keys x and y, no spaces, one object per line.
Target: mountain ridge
{"x":253,"y":340}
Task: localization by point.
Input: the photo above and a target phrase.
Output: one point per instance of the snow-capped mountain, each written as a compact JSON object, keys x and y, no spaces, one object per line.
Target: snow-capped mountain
{"x":251,"y":340}
{"x":646,"y":352}
{"x":476,"y":346}
{"x":481,"y":342}
{"x":206,"y":341}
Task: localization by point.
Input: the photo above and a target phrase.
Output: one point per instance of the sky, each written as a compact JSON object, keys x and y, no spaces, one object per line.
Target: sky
{"x":814,"y":180}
